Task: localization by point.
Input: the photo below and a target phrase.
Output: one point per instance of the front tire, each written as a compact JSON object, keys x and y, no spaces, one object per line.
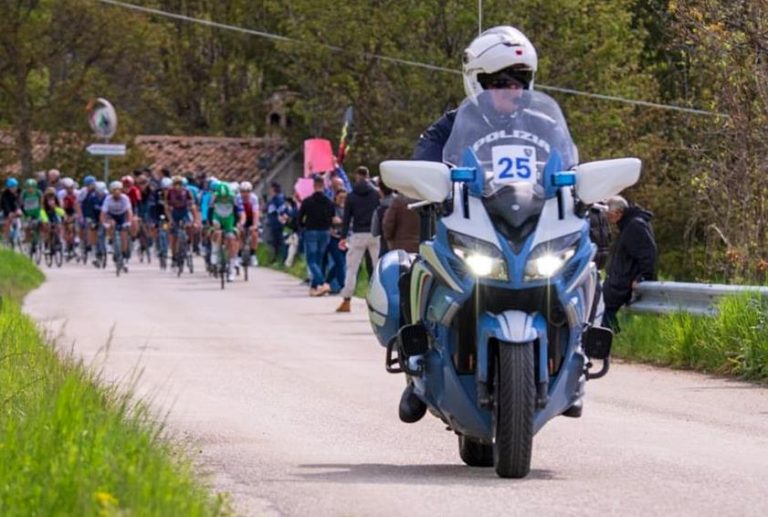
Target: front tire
{"x":514,"y":405}
{"x":474,"y":453}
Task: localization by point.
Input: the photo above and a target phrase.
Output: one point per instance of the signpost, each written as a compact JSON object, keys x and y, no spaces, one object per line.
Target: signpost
{"x":103,"y":121}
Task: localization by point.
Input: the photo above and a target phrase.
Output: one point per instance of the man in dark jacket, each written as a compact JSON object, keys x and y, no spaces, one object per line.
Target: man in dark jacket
{"x":275,"y":209}
{"x":633,"y":259}
{"x":315,"y":218}
{"x":361,"y":205}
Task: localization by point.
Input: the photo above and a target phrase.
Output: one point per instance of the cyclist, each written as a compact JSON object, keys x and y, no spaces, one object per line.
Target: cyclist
{"x":206,"y":211}
{"x":134,"y":194}
{"x":191,"y":186}
{"x":157,"y":215}
{"x":31,"y":200}
{"x":180,"y":209}
{"x":117,"y":209}
{"x":90,"y":208}
{"x":9,"y":204}
{"x":227,"y":218}
{"x":249,"y":204}
{"x":54,"y":213}
{"x":69,"y":202}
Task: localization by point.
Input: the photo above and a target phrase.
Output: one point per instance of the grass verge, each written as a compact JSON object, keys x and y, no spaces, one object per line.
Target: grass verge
{"x":299,"y":269}
{"x":735,"y":342}
{"x":71,"y":447}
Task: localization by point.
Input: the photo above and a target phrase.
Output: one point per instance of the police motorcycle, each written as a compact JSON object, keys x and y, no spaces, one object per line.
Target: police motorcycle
{"x":496,"y":321}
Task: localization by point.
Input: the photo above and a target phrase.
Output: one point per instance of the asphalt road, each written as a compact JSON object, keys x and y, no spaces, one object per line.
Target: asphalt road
{"x":288,"y":407}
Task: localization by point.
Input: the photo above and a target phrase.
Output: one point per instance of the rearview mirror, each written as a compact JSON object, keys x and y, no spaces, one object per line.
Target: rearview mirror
{"x":597,"y":181}
{"x":422,"y":180}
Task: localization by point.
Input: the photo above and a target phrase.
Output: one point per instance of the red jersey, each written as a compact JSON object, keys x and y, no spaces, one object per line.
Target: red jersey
{"x":134,"y":194}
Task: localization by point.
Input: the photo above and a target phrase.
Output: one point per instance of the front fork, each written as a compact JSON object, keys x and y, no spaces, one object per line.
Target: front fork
{"x":512,"y":328}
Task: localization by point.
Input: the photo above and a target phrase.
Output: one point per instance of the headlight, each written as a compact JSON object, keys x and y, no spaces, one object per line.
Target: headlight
{"x":549,"y":258}
{"x":483,"y":259}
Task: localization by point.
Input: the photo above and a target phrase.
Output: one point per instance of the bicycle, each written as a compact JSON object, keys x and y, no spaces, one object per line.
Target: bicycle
{"x":145,"y":243}
{"x":53,"y":248}
{"x":101,"y":246}
{"x":245,"y":254}
{"x":117,"y":250}
{"x":69,"y":238}
{"x":14,"y":233}
{"x":35,"y":247}
{"x":223,"y":265}
{"x":182,"y":254}
{"x":162,"y":243}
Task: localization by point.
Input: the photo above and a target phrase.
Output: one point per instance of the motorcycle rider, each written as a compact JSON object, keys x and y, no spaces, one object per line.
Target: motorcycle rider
{"x":502,"y":62}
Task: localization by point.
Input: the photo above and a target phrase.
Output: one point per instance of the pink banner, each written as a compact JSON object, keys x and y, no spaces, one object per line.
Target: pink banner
{"x":318,"y":156}
{"x":303,"y":188}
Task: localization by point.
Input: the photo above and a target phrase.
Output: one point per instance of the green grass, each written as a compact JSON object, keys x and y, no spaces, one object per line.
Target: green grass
{"x":18,"y":275}
{"x":735,"y":342}
{"x":299,"y":269}
{"x":68,"y":446}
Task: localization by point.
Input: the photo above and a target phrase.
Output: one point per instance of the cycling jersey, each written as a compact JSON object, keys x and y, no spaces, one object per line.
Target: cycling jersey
{"x":179,"y":201}
{"x":134,"y":194}
{"x":250,"y":205}
{"x":31,"y":203}
{"x":117,"y":209}
{"x":225,"y":213}
{"x":53,"y":212}
{"x":90,"y":204}
{"x":9,"y":201}
{"x":68,"y":202}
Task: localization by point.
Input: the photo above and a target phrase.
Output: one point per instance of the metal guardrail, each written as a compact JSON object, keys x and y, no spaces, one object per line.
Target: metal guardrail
{"x":701,"y":299}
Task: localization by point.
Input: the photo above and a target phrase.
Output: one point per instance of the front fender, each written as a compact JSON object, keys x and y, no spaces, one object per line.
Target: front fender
{"x":514,"y":327}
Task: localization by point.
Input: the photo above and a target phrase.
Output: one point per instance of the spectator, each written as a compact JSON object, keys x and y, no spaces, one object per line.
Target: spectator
{"x":358,"y":213}
{"x":387,"y":196}
{"x":290,"y":236}
{"x":401,"y":227}
{"x":275,"y":209}
{"x":600,"y":233}
{"x":315,"y":218}
{"x":633,"y":259}
{"x":336,"y":256}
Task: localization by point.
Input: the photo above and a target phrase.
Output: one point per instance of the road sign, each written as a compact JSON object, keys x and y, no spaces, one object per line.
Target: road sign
{"x":106,"y":149}
{"x":102,"y":118}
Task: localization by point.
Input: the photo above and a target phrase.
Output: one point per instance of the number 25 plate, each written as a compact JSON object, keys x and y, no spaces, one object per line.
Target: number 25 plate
{"x":514,"y":163}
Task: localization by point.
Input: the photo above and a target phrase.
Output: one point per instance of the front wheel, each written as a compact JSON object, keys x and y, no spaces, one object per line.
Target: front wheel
{"x":474,"y":453}
{"x":514,"y":403}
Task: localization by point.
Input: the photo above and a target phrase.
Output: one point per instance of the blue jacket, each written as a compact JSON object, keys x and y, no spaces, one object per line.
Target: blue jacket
{"x":431,"y":142}
{"x":275,"y":208}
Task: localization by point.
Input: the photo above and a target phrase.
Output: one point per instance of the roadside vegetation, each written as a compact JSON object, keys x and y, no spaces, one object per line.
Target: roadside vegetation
{"x":735,"y":342}
{"x":299,"y":269}
{"x":69,"y":446}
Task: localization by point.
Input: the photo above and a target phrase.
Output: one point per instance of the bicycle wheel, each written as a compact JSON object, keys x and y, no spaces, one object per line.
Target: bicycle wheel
{"x":59,"y":255}
{"x":117,"y":252}
{"x":49,"y":252}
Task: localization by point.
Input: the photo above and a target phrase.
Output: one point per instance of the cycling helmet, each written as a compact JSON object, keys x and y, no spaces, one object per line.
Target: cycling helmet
{"x":234,"y":186}
{"x":246,"y":186}
{"x":212,"y":183}
{"x":116,"y":185}
{"x":127,"y":181}
{"x":223,"y":190}
{"x":166,"y":183}
{"x":89,"y":180}
{"x":178,"y":180}
{"x":50,"y":191}
{"x":184,"y":181}
{"x":11,"y":183}
{"x":30,"y":183}
{"x":499,"y":54}
{"x":101,"y":187}
{"x":68,"y":183}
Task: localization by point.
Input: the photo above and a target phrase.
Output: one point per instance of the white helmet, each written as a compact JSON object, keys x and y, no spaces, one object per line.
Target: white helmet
{"x":115,"y":185}
{"x":166,"y":183}
{"x":234,"y":186}
{"x":101,"y":187}
{"x":498,"y":49}
{"x":246,"y":186}
{"x":68,"y":183}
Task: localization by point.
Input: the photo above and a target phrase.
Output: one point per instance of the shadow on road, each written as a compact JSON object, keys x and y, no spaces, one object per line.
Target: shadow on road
{"x":412,"y":474}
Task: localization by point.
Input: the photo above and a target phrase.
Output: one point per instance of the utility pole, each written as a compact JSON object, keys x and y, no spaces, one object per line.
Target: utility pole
{"x":479,"y":17}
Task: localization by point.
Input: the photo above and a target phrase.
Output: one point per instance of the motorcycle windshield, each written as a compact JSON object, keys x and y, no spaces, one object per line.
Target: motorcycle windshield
{"x":513,"y":134}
